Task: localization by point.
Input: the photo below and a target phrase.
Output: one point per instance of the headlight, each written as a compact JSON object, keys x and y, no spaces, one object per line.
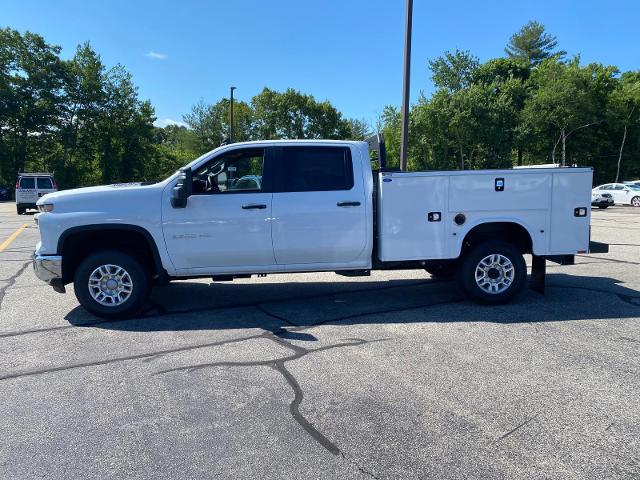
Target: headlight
{"x":45,"y":207}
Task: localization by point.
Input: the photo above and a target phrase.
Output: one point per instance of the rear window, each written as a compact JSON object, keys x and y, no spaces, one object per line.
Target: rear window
{"x":28,"y":182}
{"x":317,"y":169}
{"x":45,"y":183}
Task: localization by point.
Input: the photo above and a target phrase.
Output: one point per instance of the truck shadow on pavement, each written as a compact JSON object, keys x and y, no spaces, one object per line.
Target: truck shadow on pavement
{"x":285,"y":308}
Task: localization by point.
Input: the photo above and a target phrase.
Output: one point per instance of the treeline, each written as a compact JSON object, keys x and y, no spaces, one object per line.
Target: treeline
{"x":531,"y":107}
{"x":75,"y":117}
{"x":86,"y":122}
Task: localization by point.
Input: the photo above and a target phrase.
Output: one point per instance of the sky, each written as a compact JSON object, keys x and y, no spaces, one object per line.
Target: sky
{"x":349,"y":52}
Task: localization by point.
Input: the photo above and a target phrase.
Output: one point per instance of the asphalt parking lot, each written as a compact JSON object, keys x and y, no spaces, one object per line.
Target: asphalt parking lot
{"x":321,"y":376}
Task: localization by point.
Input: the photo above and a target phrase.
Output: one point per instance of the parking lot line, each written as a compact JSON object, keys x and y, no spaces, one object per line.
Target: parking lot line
{"x":13,"y":236}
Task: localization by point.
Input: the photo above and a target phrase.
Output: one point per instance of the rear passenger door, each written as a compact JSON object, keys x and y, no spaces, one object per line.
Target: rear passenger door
{"x":319,"y":208}
{"x":26,"y":192}
{"x":44,"y":185}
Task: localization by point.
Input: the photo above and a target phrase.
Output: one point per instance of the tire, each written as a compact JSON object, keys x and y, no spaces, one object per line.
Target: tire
{"x":443,"y":272}
{"x":635,"y":201}
{"x":20,"y":210}
{"x":482,"y":258}
{"x":603,"y":206}
{"x":131,"y":288}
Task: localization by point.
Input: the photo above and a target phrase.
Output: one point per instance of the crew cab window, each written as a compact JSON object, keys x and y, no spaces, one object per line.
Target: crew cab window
{"x":239,"y":171}
{"x":45,"y":183}
{"x":313,"y":169}
{"x":28,"y":182}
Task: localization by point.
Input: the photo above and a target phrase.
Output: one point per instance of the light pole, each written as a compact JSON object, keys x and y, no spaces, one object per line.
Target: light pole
{"x":404,"y":139}
{"x":231,"y":116}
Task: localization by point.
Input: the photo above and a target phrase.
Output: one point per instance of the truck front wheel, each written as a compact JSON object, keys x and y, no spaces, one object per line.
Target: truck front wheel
{"x":111,"y":284}
{"x":492,"y":272}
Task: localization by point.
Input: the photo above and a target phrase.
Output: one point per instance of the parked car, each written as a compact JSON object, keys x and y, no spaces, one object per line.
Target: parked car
{"x":632,"y":182}
{"x":30,"y":187}
{"x":5,"y":194}
{"x":319,"y":206}
{"x":601,"y":199}
{"x":625,"y":194}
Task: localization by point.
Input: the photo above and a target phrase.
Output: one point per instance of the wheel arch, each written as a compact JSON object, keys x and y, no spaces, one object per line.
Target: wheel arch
{"x":498,"y":230}
{"x":75,"y":243}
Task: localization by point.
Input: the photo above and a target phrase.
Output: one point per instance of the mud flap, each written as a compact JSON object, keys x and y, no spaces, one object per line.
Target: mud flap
{"x":538,"y":274}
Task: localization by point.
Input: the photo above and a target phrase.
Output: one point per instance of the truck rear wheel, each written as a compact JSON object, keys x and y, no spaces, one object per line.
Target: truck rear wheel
{"x":493,"y":272}
{"x":20,"y":210}
{"x":111,"y":284}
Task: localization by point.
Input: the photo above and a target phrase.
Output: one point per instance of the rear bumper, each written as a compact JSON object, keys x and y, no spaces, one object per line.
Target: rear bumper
{"x":48,"y":268}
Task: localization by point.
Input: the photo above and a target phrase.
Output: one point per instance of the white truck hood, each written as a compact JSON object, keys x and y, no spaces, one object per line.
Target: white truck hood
{"x":105,"y":197}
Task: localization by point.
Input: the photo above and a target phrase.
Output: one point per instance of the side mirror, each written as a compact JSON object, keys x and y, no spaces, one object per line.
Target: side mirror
{"x":182,"y":191}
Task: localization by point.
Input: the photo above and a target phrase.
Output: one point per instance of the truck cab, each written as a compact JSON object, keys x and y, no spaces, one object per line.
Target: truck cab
{"x":305,"y":206}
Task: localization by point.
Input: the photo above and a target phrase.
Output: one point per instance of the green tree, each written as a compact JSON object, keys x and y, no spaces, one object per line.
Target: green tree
{"x":83,"y":107}
{"x":126,"y":128}
{"x":31,"y":82}
{"x":533,"y":44}
{"x":560,"y":105}
{"x":292,"y":114}
{"x":210,"y":123}
{"x":359,"y":129}
{"x":454,"y":71}
{"x":624,"y":116}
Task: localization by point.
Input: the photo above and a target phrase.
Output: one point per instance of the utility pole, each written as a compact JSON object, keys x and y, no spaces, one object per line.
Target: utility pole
{"x":404,"y":140}
{"x":231,"y":116}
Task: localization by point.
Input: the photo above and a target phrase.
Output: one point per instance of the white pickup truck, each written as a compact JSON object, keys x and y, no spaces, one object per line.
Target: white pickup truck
{"x":267,"y":207}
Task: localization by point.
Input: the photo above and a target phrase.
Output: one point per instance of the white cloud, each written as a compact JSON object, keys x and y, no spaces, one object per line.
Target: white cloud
{"x":157,"y":56}
{"x":164,"y":122}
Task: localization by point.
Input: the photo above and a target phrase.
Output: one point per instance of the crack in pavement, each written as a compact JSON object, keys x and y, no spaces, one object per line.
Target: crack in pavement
{"x":11,"y":281}
{"x":519,"y":427}
{"x":274,"y":332}
{"x":163,"y":311}
{"x":360,"y":468}
{"x":30,"y":373}
{"x":278,"y":364}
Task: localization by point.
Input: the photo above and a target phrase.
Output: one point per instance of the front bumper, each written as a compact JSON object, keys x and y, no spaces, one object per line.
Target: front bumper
{"x":48,"y":268}
{"x":602,"y":202}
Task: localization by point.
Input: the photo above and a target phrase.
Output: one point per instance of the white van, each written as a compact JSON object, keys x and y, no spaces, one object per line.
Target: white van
{"x":30,"y":187}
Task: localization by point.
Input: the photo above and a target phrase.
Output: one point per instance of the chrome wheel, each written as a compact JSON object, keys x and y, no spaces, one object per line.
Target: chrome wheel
{"x":110,"y":285}
{"x":635,"y":201}
{"x":495,"y":273}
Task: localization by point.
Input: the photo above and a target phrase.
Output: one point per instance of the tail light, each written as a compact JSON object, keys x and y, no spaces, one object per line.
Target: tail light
{"x":53,"y":182}
{"x":17,"y":184}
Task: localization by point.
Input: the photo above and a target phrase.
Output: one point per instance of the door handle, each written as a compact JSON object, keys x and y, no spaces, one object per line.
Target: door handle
{"x":348,"y":204}
{"x":254,"y":206}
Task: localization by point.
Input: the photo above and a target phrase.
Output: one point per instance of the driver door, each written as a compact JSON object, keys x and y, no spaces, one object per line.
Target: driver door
{"x":226,"y":225}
